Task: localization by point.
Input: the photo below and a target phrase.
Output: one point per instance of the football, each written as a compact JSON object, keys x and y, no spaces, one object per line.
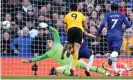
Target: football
{"x":6,"y":24}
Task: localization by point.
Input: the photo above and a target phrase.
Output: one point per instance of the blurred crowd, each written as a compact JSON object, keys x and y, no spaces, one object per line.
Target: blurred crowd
{"x":25,"y":38}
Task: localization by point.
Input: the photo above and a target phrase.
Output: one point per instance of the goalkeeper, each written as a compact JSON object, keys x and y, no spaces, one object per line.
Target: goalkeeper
{"x":55,"y":53}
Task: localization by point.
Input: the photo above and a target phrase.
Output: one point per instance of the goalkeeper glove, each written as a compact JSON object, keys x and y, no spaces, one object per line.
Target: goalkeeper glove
{"x":26,"y":61}
{"x":43,"y":25}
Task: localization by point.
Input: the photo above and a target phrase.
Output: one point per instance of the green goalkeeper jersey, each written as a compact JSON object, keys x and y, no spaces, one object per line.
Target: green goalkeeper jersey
{"x":56,"y":51}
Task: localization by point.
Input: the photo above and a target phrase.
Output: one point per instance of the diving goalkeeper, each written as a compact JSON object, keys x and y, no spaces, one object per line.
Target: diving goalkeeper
{"x":55,"y":53}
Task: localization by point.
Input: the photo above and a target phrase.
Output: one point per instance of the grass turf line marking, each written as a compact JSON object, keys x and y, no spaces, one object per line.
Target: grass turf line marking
{"x":62,"y":77}
{"x":66,"y":79}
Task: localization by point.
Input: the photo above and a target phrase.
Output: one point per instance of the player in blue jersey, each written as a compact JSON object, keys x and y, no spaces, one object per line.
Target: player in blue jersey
{"x":114,"y":20}
{"x":84,"y":51}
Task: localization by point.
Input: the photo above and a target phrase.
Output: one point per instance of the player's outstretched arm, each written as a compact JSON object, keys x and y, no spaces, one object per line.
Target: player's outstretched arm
{"x":89,"y":35}
{"x":39,"y":58}
{"x":102,"y":24}
{"x":85,"y":25}
{"x":128,"y":25}
{"x":55,"y":33}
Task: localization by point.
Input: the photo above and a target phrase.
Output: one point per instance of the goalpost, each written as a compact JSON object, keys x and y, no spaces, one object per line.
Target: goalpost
{"x":29,"y":13}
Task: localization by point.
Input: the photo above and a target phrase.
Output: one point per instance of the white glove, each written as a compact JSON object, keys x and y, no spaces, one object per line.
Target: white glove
{"x":43,"y":25}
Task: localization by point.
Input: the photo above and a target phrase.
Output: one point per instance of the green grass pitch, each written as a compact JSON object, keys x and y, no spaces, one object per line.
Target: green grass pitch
{"x":63,"y":78}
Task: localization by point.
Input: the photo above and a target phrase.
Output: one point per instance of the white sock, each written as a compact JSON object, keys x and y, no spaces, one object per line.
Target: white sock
{"x":113,"y":56}
{"x":114,"y":66}
{"x":90,"y":62}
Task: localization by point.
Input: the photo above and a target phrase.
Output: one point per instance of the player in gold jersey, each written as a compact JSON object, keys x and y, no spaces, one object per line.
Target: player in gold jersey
{"x":75,"y":25}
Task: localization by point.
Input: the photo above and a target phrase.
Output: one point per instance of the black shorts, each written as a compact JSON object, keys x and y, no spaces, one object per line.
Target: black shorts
{"x":74,"y":34}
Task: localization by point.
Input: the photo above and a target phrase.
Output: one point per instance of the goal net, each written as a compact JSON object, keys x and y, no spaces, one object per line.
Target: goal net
{"x":25,"y":40}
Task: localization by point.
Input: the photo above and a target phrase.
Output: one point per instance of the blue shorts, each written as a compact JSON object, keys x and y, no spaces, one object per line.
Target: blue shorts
{"x":84,"y":51}
{"x":114,"y":43}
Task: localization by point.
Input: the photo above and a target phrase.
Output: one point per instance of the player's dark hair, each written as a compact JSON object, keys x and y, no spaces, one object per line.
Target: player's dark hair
{"x":114,"y":6}
{"x":73,"y":7}
{"x":50,"y":38}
